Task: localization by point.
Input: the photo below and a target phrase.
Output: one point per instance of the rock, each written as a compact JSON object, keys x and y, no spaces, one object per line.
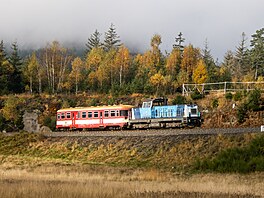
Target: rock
{"x":45,"y":129}
{"x":30,"y":121}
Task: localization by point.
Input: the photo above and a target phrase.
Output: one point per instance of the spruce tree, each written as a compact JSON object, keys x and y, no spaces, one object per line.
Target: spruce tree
{"x":210,"y":63}
{"x":257,"y":53}
{"x":179,"y":42}
{"x":93,"y":41}
{"x":111,"y":39}
{"x":5,"y":70}
{"x":241,"y":57}
{"x":15,"y":84}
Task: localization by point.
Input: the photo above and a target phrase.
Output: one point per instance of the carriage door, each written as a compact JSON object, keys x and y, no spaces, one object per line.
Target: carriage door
{"x":101,"y":118}
{"x":73,"y":119}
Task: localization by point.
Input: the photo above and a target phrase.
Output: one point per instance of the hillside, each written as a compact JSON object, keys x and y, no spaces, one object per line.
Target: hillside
{"x":169,"y":153}
{"x":218,"y":110}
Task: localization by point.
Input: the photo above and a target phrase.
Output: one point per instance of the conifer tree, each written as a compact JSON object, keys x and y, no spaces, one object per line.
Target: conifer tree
{"x":5,"y":69}
{"x":241,"y":58}
{"x":15,"y":82}
{"x":257,"y":53}
{"x":209,"y":62}
{"x":111,"y":39}
{"x":93,"y":41}
{"x":179,"y":42}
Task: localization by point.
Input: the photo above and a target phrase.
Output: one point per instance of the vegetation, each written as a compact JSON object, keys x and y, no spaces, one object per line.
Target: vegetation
{"x":108,"y":66}
{"x":238,"y":153}
{"x":242,"y":160}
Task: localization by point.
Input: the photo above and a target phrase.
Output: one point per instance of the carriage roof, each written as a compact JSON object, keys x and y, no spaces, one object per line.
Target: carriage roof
{"x":97,"y":108}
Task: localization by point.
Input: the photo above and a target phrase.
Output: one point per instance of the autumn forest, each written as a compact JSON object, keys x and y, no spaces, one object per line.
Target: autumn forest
{"x":108,"y":66}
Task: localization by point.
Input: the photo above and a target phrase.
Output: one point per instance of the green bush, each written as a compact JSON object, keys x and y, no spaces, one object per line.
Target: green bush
{"x":50,"y":121}
{"x":238,"y":96}
{"x":242,"y":112}
{"x":253,"y":100}
{"x":196,"y":95}
{"x":215,"y":103}
{"x":229,"y":96}
{"x":241,"y":160}
{"x":179,"y":100}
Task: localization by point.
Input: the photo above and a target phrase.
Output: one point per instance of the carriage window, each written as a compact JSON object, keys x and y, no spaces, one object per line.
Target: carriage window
{"x":117,"y":113}
{"x":84,"y":114}
{"x":90,"y":114}
{"x":124,"y":113}
{"x":96,"y":114}
{"x":106,"y":114}
{"x":79,"y":115}
{"x":62,"y":116}
{"x":68,"y":115}
{"x":113,"y":113}
{"x":58,"y":116}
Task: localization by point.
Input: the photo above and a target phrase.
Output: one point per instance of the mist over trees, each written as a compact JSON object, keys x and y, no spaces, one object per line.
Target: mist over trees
{"x":108,"y":66}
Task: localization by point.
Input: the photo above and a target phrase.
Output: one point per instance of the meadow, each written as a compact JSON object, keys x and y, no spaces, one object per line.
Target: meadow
{"x":63,"y":180}
{"x":32,"y":165}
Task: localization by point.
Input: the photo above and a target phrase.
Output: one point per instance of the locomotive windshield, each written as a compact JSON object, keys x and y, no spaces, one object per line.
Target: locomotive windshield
{"x":193,"y":111}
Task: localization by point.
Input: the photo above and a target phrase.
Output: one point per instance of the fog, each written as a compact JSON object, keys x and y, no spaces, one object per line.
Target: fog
{"x":33,"y":23}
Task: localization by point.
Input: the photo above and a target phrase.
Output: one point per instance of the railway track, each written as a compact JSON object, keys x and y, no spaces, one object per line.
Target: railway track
{"x":154,"y":132}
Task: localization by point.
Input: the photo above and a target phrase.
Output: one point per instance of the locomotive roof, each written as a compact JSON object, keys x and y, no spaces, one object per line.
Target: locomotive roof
{"x":110,"y":107}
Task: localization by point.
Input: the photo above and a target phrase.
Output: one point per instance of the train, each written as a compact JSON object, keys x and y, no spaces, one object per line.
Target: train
{"x":154,"y":113}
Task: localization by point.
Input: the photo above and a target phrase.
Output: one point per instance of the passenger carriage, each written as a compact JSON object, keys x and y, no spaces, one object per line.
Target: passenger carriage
{"x":94,"y":117}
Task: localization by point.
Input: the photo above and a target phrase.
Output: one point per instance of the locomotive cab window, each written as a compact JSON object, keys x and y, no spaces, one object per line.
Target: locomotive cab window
{"x":96,"y":114}
{"x":193,"y":111}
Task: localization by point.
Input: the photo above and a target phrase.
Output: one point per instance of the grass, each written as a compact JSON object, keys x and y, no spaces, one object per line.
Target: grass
{"x":34,"y":166}
{"x":101,"y":181}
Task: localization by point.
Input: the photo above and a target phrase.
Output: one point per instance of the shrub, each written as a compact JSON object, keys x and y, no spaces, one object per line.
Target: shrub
{"x":215,"y":103}
{"x":238,"y":96}
{"x":242,"y":160}
{"x":242,"y":112}
{"x":179,"y":100}
{"x":229,"y":96}
{"x":253,"y":101}
{"x":50,"y":121}
{"x":196,"y":95}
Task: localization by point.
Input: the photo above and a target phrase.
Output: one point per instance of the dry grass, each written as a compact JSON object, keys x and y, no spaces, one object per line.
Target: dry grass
{"x":100,"y":181}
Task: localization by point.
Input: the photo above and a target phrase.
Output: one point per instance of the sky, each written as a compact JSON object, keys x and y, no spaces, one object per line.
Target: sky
{"x":34,"y":23}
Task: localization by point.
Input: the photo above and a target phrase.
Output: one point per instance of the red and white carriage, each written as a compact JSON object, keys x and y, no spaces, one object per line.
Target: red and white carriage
{"x":116,"y":116}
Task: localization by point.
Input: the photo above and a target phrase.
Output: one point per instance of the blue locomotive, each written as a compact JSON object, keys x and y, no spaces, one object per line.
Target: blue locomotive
{"x":157,"y":113}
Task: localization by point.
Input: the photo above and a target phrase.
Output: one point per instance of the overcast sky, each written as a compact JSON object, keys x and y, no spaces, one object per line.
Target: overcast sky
{"x":221,"y":22}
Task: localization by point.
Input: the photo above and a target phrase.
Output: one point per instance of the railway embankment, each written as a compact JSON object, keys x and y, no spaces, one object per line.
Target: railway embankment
{"x":176,"y":153}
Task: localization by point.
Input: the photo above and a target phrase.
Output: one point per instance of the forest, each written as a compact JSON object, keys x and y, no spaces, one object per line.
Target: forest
{"x":108,"y":66}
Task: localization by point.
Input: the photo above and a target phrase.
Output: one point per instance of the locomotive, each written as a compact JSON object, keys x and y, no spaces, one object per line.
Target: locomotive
{"x":152,"y":113}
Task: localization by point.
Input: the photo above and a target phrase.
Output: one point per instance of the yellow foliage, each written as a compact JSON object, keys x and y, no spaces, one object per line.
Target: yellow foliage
{"x":190,"y":59}
{"x":200,"y":73}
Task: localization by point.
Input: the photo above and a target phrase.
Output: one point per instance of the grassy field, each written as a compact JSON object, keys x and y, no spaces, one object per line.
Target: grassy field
{"x":62,"y":180}
{"x":32,"y":165}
